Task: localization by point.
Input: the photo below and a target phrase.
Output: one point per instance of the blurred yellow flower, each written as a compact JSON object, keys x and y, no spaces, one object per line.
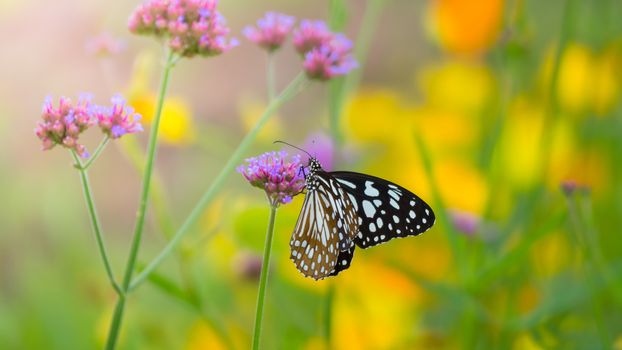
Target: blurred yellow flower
{"x":588,"y":81}
{"x":460,"y":86}
{"x":376,"y":315}
{"x":462,"y":186}
{"x":465,"y":26}
{"x":520,"y":148}
{"x":176,"y":124}
{"x":526,"y":342}
{"x":374,"y":116}
{"x":202,"y":336}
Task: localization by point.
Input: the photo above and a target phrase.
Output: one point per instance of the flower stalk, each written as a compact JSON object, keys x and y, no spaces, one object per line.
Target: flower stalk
{"x":95,"y":154}
{"x":140,"y":220}
{"x":263,"y":279}
{"x":88,"y":197}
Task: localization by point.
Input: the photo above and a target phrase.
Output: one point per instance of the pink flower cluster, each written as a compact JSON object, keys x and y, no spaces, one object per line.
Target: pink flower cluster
{"x":271,"y":30}
{"x":281,"y":179}
{"x":330,"y":59}
{"x":325,"y":54}
{"x":119,"y":119}
{"x":311,"y":34}
{"x":192,"y":27}
{"x":63,"y":125}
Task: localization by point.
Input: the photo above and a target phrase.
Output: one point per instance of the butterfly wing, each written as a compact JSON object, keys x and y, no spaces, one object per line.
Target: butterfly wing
{"x":385,"y":210}
{"x":343,"y":260}
{"x":325,"y":229}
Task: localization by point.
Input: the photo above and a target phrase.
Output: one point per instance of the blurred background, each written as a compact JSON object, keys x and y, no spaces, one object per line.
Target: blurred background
{"x":505,"y":116}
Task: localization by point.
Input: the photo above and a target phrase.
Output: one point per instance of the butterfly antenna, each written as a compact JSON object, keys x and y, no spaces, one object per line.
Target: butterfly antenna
{"x":290,"y":145}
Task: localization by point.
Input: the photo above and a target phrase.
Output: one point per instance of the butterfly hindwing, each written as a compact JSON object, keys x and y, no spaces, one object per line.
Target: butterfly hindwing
{"x":325,"y":228}
{"x":384,"y":210}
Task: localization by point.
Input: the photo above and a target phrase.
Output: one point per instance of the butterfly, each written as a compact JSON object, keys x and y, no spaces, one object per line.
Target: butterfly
{"x":343,"y":210}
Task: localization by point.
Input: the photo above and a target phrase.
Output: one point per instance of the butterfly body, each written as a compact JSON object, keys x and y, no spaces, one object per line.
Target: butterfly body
{"x":345,"y":209}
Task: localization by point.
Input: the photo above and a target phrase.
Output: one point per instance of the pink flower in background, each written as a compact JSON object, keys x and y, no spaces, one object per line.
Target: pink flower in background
{"x":119,"y":119}
{"x":64,"y":124}
{"x":281,"y":179}
{"x":330,"y":59}
{"x":192,"y":27}
{"x":104,"y":44}
{"x":321,"y":146}
{"x":271,"y":30}
{"x":465,"y":222}
{"x":311,"y":34}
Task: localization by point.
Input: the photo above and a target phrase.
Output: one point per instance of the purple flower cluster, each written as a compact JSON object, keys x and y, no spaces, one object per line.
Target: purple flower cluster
{"x":119,"y":119}
{"x":271,"y":30}
{"x":192,"y":27}
{"x":281,"y":179}
{"x":325,"y":54}
{"x":330,"y":59}
{"x":63,"y":125}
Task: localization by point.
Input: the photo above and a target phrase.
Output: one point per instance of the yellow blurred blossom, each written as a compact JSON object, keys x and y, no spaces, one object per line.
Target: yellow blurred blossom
{"x":458,"y":85}
{"x":617,"y":345}
{"x":373,"y":315}
{"x":462,"y":186}
{"x":588,"y":81}
{"x":202,"y":336}
{"x":374,"y":116}
{"x":526,"y":342}
{"x":176,"y":125}
{"x":250,"y":111}
{"x":465,"y":26}
{"x":520,"y":149}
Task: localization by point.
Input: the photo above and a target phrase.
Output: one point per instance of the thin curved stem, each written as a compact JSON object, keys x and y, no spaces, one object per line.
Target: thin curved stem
{"x":142,"y":209}
{"x":88,"y":196}
{"x":271,"y":77}
{"x":97,"y":152}
{"x":263,"y":279}
{"x":290,"y":91}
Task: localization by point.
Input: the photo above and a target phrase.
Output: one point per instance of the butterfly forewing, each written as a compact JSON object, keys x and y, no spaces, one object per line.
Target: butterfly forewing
{"x":326,"y":226}
{"x":384,"y":209}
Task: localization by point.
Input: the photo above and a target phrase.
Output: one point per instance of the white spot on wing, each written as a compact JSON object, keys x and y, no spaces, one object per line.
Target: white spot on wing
{"x":370,"y":190}
{"x":369,"y":209}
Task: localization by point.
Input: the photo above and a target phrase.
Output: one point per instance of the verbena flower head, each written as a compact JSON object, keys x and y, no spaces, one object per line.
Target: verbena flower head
{"x":271,"y":30}
{"x":63,"y":125}
{"x":119,"y":119}
{"x":311,"y":34}
{"x":280,"y":178}
{"x":330,"y":59}
{"x":192,"y":27}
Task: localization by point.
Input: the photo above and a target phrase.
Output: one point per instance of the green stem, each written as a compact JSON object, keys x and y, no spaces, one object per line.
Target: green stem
{"x":271,"y":77}
{"x":142,"y":209}
{"x":97,"y":152}
{"x":263,"y":279}
{"x":290,"y":91}
{"x":88,"y":196}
